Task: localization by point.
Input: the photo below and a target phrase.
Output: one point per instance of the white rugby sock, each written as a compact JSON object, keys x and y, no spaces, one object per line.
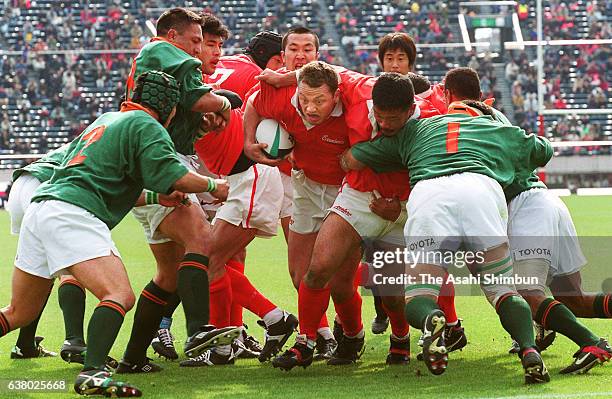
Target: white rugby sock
{"x":273,"y":316}
{"x":326,"y":333}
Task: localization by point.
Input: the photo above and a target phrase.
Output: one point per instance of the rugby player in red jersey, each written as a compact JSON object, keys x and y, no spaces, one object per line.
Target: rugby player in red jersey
{"x":312,"y":113}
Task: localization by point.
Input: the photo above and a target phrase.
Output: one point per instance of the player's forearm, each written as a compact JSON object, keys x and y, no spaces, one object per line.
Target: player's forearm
{"x":349,"y":162}
{"x":250,"y":121}
{"x":210,"y":102}
{"x":193,"y":183}
{"x":277,"y":79}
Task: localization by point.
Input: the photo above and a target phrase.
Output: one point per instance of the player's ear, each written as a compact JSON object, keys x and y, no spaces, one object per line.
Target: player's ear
{"x":336,"y":95}
{"x":412,"y":109}
{"x":282,"y":54}
{"x":447,"y":96}
{"x":171,"y":35}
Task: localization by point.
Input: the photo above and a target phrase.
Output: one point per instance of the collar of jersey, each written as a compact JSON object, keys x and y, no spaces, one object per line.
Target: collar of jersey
{"x":337,"y":111}
{"x":132,"y":106}
{"x":457,"y":107}
{"x":163,"y":39}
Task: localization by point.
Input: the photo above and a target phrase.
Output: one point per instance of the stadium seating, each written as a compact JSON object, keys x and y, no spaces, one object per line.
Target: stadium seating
{"x":46,"y":99}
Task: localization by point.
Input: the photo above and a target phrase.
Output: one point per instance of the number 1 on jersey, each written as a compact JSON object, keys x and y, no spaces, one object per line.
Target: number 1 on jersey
{"x":452,"y":137}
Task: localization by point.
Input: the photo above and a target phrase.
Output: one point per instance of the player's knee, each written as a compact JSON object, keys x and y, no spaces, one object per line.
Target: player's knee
{"x":196,"y":236}
{"x":533,"y":297}
{"x":577,"y":304}
{"x":124,"y":297}
{"x":316,"y":278}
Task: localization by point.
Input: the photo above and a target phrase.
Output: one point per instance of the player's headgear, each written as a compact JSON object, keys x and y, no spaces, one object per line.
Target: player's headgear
{"x":157,"y":90}
{"x":264,"y":46}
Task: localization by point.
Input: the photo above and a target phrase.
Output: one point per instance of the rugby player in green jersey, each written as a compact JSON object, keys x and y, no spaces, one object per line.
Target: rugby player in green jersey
{"x":458,"y":165}
{"x":25,"y":182}
{"x":545,"y":247}
{"x":67,"y":226}
{"x":179,"y":237}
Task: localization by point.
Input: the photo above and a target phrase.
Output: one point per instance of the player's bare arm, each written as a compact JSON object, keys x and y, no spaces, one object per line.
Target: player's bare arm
{"x":172,"y":200}
{"x":277,"y":79}
{"x":195,"y":183}
{"x":349,"y":162}
{"x":210,"y":102}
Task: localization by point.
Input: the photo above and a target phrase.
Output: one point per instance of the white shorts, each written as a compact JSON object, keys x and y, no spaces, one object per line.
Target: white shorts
{"x":254,"y":200}
{"x":354,"y":207}
{"x":311,"y":201}
{"x":151,"y":216}
{"x":19,"y":199}
{"x":287,"y":207}
{"x":464,"y":209}
{"x":540,"y":227}
{"x":57,"y":235}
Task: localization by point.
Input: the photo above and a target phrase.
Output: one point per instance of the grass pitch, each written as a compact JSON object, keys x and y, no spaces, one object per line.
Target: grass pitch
{"x":482,"y":370}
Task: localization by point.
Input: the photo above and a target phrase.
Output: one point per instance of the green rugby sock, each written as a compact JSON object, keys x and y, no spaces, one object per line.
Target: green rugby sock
{"x":102,"y":331}
{"x":515,"y":317}
{"x":418,"y":309}
{"x":173,"y":301}
{"x":148,"y":314}
{"x":555,"y":316}
{"x":602,"y":305}
{"x":194,"y":291}
{"x":71,"y":298}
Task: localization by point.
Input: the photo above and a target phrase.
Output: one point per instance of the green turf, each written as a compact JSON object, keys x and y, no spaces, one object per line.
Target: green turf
{"x":483,"y":369}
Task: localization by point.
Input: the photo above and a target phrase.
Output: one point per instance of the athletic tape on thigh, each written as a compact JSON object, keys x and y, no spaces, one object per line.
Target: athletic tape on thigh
{"x":414,"y":290}
{"x":496,"y":279}
{"x":530,"y":269}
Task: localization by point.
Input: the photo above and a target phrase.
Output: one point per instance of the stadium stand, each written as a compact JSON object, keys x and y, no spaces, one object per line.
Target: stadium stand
{"x":46,"y":99}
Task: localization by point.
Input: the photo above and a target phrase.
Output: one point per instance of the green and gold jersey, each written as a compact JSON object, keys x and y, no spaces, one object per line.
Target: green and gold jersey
{"x":457,"y":143}
{"x":42,"y":169}
{"x":160,"y":55}
{"x":109,"y":164}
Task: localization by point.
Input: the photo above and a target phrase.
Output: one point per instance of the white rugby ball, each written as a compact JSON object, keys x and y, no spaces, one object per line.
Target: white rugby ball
{"x":279,"y":141}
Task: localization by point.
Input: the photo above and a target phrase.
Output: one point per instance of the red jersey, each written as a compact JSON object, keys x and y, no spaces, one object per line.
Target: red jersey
{"x":356,"y":92}
{"x":220,"y":151}
{"x":317,"y":148}
{"x":435,"y":96}
{"x":236,"y":73}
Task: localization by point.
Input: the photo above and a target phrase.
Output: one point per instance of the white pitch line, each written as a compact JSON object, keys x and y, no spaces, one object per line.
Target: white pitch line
{"x":553,"y":395}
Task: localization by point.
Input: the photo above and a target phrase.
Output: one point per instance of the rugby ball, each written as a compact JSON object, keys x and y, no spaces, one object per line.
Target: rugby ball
{"x":279,"y":141}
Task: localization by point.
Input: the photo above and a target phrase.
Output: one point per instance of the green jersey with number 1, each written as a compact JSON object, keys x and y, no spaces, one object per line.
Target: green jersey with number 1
{"x":457,"y":143}
{"x":109,"y":164}
{"x":160,"y":55}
